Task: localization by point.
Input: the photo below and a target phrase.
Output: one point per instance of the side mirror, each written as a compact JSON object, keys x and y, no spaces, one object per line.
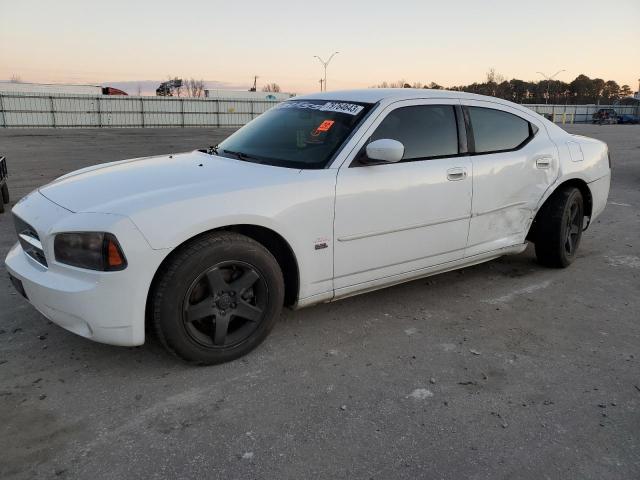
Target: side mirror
{"x":385,"y":150}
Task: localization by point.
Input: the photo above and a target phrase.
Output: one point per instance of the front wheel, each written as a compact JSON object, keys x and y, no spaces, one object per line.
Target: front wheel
{"x":217,"y":298}
{"x":559,"y":228}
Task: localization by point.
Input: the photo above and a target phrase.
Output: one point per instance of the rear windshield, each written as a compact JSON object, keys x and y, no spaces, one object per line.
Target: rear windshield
{"x":301,"y":134}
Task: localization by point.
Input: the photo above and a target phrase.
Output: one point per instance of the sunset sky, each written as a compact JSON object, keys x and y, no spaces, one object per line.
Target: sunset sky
{"x":450,"y":43}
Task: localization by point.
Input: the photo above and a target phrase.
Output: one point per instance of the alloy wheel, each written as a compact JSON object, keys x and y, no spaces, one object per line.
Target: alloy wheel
{"x":573,"y":229}
{"x":225,"y":304}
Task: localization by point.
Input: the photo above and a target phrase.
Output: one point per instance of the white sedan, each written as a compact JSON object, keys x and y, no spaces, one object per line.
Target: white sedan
{"x":322,"y":197}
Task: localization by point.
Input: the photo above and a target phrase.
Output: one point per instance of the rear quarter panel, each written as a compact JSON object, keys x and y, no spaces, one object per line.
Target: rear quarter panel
{"x":585,"y":159}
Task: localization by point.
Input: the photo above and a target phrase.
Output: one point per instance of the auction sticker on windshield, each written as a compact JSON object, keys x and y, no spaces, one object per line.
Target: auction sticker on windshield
{"x":325,"y":126}
{"x":338,"y":107}
{"x":342,"y":107}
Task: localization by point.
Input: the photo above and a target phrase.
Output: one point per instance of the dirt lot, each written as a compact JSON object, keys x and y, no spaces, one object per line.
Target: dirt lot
{"x":503,"y":370}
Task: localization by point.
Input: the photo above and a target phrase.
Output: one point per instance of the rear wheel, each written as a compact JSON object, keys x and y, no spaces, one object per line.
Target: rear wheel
{"x":217,"y":298}
{"x":559,"y":228}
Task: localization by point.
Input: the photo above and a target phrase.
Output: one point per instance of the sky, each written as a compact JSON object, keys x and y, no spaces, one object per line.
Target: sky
{"x":228,"y":42}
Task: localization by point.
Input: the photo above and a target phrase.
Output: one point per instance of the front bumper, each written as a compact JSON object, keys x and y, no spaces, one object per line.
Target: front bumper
{"x":107,"y":307}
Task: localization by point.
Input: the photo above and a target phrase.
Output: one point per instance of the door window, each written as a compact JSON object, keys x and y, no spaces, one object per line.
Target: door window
{"x":498,"y":131}
{"x":426,"y":131}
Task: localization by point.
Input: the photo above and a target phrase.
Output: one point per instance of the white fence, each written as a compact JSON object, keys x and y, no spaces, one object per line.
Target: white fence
{"x":578,"y":113}
{"x":22,"y":110}
{"x":86,"y":111}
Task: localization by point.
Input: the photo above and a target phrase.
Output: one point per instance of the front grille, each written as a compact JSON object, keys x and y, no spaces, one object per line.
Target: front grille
{"x":29,"y":240}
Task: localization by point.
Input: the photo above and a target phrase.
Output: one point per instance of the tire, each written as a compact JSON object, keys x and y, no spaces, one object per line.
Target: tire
{"x":559,"y":228}
{"x":5,"y":193}
{"x":217,"y":298}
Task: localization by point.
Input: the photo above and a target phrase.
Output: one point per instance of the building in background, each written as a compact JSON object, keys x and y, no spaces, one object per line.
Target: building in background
{"x":58,"y":88}
{"x":245,"y":95}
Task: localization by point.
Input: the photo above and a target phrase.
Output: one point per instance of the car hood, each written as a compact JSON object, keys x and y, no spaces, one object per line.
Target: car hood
{"x":125,"y":186}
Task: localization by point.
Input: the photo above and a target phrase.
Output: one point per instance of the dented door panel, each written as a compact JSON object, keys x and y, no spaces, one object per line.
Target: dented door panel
{"x":507,"y":187}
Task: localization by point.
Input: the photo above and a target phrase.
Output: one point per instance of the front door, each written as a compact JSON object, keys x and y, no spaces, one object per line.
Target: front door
{"x":395,"y":218}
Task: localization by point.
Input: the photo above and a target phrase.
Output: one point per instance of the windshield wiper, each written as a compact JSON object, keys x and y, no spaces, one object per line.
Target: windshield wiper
{"x":243,"y":156}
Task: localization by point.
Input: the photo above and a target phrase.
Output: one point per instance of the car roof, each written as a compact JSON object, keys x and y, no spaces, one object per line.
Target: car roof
{"x":374,"y":95}
{"x":390,"y":95}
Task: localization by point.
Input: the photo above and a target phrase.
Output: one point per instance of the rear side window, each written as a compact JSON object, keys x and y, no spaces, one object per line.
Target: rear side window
{"x":497,"y":131}
{"x":426,"y":131}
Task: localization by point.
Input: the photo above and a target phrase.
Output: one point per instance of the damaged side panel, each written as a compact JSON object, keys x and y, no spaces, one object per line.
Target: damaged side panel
{"x":507,"y":188}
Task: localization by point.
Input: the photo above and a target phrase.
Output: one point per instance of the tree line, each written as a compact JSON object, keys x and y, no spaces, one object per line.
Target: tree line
{"x":581,"y":90}
{"x":177,"y":87}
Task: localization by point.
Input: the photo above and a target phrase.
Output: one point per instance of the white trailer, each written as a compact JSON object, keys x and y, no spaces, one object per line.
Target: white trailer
{"x":50,"y":88}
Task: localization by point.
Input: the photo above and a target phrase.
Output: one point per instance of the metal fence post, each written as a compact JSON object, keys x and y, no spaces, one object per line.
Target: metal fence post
{"x":53,"y":112}
{"x":4,"y":117}
{"x":99,"y":111}
{"x":142,"y":112}
{"x":182,"y":110}
{"x":217,"y":103}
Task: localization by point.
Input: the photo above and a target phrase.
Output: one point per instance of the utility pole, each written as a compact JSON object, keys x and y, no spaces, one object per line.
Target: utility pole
{"x":546,"y":100}
{"x":325,"y":65}
{"x":321,"y":80}
{"x":255,"y":84}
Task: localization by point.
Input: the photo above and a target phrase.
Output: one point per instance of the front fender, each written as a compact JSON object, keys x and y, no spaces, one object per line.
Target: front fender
{"x":301,"y":213}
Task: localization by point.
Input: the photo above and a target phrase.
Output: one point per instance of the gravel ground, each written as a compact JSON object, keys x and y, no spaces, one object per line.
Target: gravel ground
{"x":502,"y":370}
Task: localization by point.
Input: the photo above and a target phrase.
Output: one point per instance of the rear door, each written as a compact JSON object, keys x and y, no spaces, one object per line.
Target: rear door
{"x":514,"y":163}
{"x":396,"y":218}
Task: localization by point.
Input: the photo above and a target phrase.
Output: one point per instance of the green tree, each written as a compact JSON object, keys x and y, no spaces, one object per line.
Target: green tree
{"x":581,"y":88}
{"x":597,"y":89}
{"x":519,"y":90}
{"x":611,"y":91}
{"x":625,"y":91}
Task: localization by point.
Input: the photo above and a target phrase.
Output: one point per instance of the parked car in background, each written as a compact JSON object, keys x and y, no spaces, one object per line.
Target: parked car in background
{"x":322,"y":197}
{"x":605,"y":115}
{"x":627,"y":118}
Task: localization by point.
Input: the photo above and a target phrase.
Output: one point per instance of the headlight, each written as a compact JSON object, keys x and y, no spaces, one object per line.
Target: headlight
{"x":92,"y":250}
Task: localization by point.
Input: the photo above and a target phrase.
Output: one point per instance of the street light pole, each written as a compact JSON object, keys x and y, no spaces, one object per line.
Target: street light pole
{"x":325,"y":65}
{"x":546,"y":100}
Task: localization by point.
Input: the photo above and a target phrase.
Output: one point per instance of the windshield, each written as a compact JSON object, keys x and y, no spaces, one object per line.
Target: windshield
{"x":301,"y":134}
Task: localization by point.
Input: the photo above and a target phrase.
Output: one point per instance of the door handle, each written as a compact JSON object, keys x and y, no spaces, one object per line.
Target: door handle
{"x":543,"y":162}
{"x":457,"y":173}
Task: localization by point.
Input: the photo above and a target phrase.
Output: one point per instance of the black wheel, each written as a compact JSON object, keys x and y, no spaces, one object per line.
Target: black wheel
{"x":217,"y":298}
{"x":559,"y":228}
{"x":5,"y":193}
